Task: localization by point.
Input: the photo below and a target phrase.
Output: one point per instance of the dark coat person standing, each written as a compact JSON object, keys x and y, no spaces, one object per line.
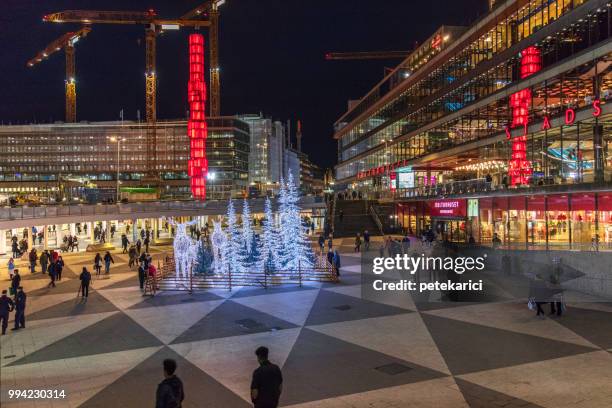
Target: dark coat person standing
{"x":20,"y":305}
{"x":267,"y":382}
{"x":85,"y":278}
{"x":44,"y":261}
{"x":15,"y":282}
{"x":142,"y":273}
{"x":52,"y":274}
{"x":6,"y":307}
{"x":170,"y":392}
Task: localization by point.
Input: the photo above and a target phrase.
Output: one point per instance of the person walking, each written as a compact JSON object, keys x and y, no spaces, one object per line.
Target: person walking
{"x":107,"y":262}
{"x":98,"y":264}
{"x":366,"y":240}
{"x":20,"y":305}
{"x":405,"y":244}
{"x":336,"y":263}
{"x":11,"y":268}
{"x":330,"y":257}
{"x":133,"y":256}
{"x":85,"y":278}
{"x":138,"y":245}
{"x":124,"y":243}
{"x":15,"y":282}
{"x":52,"y":274}
{"x":147,"y":240}
{"x":267,"y":382}
{"x":44,"y":261}
{"x":170,"y":393}
{"x":33,"y":257}
{"x":330,"y":241}
{"x":358,"y":243}
{"x":75,"y":244}
{"x":321,"y":243}
{"x":6,"y":307}
{"x":15,"y":248}
{"x":59,"y":267}
{"x":341,"y":216}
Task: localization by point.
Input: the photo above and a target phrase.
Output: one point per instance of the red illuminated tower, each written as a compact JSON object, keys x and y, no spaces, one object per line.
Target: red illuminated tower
{"x":519,"y":168}
{"x":197,"y":128}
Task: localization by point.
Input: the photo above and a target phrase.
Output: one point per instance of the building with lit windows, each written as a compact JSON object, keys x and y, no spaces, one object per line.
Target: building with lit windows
{"x":498,"y":130}
{"x":57,"y":161}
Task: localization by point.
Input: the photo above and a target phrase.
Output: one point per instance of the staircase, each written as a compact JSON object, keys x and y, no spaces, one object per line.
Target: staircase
{"x":357,"y":218}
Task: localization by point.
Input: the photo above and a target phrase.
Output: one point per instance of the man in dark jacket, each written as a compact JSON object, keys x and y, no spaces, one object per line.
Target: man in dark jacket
{"x":85,"y":278}
{"x":141,"y":275}
{"x":44,"y":261}
{"x":267,"y":383}
{"x":124,"y":243}
{"x":170,"y":392}
{"x":6,"y":306}
{"x":52,"y":274}
{"x":33,"y":258}
{"x":15,"y":282}
{"x":20,"y":304}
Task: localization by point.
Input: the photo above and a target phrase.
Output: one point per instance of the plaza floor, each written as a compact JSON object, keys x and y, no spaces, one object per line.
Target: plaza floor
{"x":335,"y":348}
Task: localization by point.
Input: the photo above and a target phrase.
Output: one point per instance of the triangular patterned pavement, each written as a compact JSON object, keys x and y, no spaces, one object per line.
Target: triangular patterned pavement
{"x":468,"y":347}
{"x":95,"y":303}
{"x":593,"y":325}
{"x":293,"y":307}
{"x":249,"y":291}
{"x":80,"y":377}
{"x":41,"y":333}
{"x":63,"y":286}
{"x":402,"y":336}
{"x":123,"y":298}
{"x":333,"y":307}
{"x":481,"y":397}
{"x":117,"y":332}
{"x":168,"y":322}
{"x":513,"y":317}
{"x":322,"y":367}
{"x":231,"y":361}
{"x":232,"y":319}
{"x":171,"y":298}
{"x":137,"y":387}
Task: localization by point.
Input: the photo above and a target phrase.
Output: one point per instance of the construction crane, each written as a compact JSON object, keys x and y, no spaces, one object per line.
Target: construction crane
{"x":366,"y":55}
{"x":65,"y":42}
{"x":153,"y":25}
{"x":210,"y":9}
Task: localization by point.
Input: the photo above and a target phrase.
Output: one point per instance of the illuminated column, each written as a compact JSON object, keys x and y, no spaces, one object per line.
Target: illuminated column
{"x":196,"y":128}
{"x":30,"y":240}
{"x":45,"y":237}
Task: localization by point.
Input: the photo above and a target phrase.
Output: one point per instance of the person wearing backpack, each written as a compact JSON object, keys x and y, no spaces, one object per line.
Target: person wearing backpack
{"x":170,"y":392}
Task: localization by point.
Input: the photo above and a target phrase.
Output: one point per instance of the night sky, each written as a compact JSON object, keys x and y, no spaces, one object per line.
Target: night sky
{"x":271,"y":54}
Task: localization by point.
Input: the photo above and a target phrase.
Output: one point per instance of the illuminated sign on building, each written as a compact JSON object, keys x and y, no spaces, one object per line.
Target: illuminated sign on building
{"x":448,"y":208}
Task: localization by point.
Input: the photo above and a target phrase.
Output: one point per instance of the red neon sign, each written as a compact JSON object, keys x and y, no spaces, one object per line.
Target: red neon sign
{"x":197,"y":129}
{"x":570,"y":116}
{"x":596,"y":108}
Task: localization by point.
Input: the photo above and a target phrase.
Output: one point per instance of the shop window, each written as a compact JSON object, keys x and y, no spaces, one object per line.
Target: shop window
{"x":558,"y":221}
{"x":583,"y":220}
{"x":536,"y":221}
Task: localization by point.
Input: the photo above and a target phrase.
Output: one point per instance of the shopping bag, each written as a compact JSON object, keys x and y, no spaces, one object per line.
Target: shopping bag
{"x":531,"y":304}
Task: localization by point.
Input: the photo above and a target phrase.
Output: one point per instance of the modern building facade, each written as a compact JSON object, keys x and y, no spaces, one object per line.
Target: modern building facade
{"x":266,"y":156}
{"x":509,"y":119}
{"x":51,"y":161}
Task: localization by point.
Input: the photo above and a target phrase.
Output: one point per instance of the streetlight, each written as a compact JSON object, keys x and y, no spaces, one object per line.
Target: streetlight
{"x":117,"y":140}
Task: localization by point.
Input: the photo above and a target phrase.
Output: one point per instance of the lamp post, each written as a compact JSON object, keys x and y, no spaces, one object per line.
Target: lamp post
{"x":117,"y":140}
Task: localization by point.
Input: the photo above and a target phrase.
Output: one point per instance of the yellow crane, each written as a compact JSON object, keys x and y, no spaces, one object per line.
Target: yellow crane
{"x":66,"y":42}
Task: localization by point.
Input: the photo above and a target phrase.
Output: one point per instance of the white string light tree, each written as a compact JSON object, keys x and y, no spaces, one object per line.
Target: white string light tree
{"x":296,"y":251}
{"x":218,"y":240}
{"x":247,"y":233}
{"x":234,"y":250}
{"x":268,"y":245}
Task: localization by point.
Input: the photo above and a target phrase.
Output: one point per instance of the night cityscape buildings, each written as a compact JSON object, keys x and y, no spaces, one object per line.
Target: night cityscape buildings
{"x":523,"y":90}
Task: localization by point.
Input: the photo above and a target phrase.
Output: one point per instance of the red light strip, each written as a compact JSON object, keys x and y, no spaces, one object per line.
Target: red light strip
{"x":519,"y":168}
{"x":196,"y":127}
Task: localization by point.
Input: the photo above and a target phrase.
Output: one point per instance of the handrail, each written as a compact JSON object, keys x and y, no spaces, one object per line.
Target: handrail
{"x":376,"y":219}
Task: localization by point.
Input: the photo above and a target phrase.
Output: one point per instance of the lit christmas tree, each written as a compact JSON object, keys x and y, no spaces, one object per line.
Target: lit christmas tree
{"x":247,"y":229}
{"x":219,"y":244}
{"x":234,"y":250}
{"x":296,"y":250}
{"x":268,"y":241}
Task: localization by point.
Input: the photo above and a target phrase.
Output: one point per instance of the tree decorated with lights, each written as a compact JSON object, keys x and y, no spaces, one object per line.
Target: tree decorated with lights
{"x":247,"y":228}
{"x":295,"y":251}
{"x":218,"y":241}
{"x":268,"y":243}
{"x":234,"y":251}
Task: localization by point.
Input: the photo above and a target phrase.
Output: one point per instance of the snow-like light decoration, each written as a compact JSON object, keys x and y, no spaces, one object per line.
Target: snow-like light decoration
{"x":296,"y":251}
{"x":196,"y":127}
{"x":247,"y":229}
{"x":269,"y":240}
{"x":235,"y":251}
{"x":218,"y":241}
{"x":519,"y":168}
